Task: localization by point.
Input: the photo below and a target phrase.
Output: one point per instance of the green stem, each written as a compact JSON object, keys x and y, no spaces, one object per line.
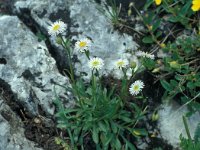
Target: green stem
{"x":139,"y":115}
{"x":124,"y":85}
{"x":67,"y":48}
{"x":186,"y":127}
{"x":87,"y":53}
{"x":94,"y":86}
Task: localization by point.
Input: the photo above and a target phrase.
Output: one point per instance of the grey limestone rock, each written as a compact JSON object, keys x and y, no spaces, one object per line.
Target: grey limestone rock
{"x":83,"y":20}
{"x":28,"y":67}
{"x":11,"y":131}
{"x":171,"y":123}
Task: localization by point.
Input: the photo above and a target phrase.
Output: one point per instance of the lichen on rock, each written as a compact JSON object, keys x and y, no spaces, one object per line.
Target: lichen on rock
{"x":29,"y":69}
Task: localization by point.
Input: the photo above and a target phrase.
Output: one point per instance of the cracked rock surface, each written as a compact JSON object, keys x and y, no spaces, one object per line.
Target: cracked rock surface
{"x":28,"y":68}
{"x":11,"y":131}
{"x":171,"y":123}
{"x":83,"y":20}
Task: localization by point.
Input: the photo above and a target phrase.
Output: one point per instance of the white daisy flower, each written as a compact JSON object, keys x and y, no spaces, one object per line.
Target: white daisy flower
{"x":83,"y":45}
{"x":136,"y":87}
{"x":56,"y":28}
{"x":145,"y":54}
{"x":121,"y":63}
{"x":96,"y":63}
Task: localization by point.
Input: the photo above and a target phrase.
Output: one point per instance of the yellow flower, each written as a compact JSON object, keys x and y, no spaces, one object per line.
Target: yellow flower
{"x":158,"y":2}
{"x":196,"y":5}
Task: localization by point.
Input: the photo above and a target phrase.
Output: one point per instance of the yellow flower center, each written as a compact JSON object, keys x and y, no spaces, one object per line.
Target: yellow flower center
{"x":82,"y":44}
{"x":136,"y":88}
{"x":95,"y":63}
{"x":120,"y":64}
{"x":56,"y":27}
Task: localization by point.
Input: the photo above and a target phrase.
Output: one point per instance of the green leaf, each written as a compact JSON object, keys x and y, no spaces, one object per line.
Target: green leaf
{"x":197,"y":133}
{"x":197,"y":83}
{"x":191,"y":85}
{"x":147,"y":40}
{"x":173,"y":19}
{"x":159,"y":33}
{"x":41,"y":37}
{"x":114,"y":127}
{"x":156,"y":25}
{"x":107,"y":138}
{"x":174,"y":83}
{"x":117,"y":144}
{"x":125,"y":119}
{"x":166,"y":85}
{"x":95,"y":134}
{"x":185,"y":8}
{"x":103,"y":127}
{"x":148,"y":63}
{"x":148,"y":4}
{"x":130,"y":145}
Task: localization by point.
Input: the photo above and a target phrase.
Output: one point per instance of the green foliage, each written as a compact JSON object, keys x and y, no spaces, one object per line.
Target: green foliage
{"x":177,"y":11}
{"x":190,"y":144}
{"x":41,"y":37}
{"x":61,"y":142}
{"x":148,"y":63}
{"x":173,"y":11}
{"x":112,"y":12}
{"x":187,"y":144}
{"x":158,"y":148}
{"x":99,"y":115}
{"x":182,"y":67}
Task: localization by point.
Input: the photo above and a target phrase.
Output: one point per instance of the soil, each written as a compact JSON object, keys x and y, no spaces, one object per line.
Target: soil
{"x":36,"y":129}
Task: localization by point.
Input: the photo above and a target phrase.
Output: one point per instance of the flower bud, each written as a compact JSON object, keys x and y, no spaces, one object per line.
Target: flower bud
{"x":59,"y":40}
{"x":159,"y":62}
{"x":154,"y":117}
{"x":131,"y":4}
{"x":136,"y":133}
{"x":174,"y":64}
{"x":129,"y":12}
{"x":133,"y":64}
{"x":155,"y":70}
{"x":162,"y":45}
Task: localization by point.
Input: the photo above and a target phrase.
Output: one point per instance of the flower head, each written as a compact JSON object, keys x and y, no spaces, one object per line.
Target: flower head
{"x":83,"y":45}
{"x":57,"y":28}
{"x":196,"y":5}
{"x":145,"y":54}
{"x":96,"y":63}
{"x":121,"y":63}
{"x":136,"y":87}
{"x":158,"y":2}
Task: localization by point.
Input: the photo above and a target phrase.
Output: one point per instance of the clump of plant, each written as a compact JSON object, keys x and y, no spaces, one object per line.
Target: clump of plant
{"x":178,"y":15}
{"x":100,"y":115}
{"x":178,"y":70}
{"x":112,"y":13}
{"x":190,"y":143}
